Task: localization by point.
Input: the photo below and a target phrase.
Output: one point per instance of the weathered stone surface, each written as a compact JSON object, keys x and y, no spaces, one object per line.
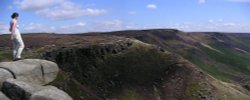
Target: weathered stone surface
{"x":3,"y":97}
{"x":32,"y":70}
{"x":18,"y":90}
{"x":4,"y":74}
{"x":50,"y":93}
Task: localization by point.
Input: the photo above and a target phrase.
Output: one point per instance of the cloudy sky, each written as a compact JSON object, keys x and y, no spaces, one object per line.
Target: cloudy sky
{"x":75,"y":16}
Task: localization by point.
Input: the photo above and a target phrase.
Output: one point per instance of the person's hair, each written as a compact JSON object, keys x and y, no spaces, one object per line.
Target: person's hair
{"x":14,"y":15}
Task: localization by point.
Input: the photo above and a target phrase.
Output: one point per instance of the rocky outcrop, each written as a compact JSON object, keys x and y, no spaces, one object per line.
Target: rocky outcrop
{"x":23,"y":80}
{"x":29,"y":70}
{"x":137,"y":71}
{"x":18,"y":90}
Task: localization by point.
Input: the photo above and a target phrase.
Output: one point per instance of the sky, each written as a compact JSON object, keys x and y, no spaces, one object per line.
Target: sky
{"x":80,"y":16}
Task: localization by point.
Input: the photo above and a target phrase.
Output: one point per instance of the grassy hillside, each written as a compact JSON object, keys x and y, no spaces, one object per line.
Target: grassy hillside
{"x":223,"y":55}
{"x":133,"y":70}
{"x":233,"y":60}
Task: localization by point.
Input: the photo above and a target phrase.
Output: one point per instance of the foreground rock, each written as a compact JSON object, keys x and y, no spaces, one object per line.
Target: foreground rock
{"x":50,"y":93}
{"x":18,"y":90}
{"x":3,"y":97}
{"x":4,"y":74}
{"x":29,"y":70}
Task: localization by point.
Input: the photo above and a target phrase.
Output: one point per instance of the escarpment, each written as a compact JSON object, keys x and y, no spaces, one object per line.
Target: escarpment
{"x":131,"y":69}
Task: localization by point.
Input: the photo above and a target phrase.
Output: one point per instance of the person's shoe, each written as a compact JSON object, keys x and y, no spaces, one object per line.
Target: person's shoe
{"x":16,"y":59}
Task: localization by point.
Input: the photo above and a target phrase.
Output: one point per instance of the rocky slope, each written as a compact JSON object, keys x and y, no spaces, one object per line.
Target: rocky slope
{"x":126,"y":69}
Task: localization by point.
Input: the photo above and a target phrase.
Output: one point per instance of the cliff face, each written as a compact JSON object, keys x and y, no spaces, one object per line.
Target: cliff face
{"x":127,"y":69}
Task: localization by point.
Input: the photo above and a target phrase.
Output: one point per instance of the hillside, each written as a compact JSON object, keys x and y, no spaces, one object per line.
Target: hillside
{"x":164,"y":64}
{"x":226,"y":56}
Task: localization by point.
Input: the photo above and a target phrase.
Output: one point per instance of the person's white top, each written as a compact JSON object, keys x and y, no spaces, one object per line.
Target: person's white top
{"x":12,"y":21}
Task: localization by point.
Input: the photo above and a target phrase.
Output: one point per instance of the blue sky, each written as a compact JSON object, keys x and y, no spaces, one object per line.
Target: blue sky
{"x":75,"y":16}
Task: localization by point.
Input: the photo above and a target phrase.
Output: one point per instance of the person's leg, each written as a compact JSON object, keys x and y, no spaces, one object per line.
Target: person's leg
{"x":20,"y":46}
{"x":14,"y":49}
{"x":19,"y":43}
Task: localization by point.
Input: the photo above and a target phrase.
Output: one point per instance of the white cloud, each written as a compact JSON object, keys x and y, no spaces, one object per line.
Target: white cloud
{"x":34,"y":5}
{"x":79,"y":27}
{"x":73,"y":27}
{"x":113,"y":23}
{"x":80,"y":24}
{"x":230,"y":24}
{"x":68,"y":13}
{"x":151,"y":6}
{"x":202,"y":1}
{"x":212,"y":25}
{"x":58,"y":9}
{"x":107,"y":25}
{"x":35,"y":27}
{"x":211,"y":21}
{"x":217,"y":21}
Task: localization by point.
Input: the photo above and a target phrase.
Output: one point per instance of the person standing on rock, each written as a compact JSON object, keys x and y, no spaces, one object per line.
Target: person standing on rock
{"x":16,"y":37}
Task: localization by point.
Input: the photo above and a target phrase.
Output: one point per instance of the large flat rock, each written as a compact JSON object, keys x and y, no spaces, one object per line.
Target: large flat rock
{"x":29,"y":70}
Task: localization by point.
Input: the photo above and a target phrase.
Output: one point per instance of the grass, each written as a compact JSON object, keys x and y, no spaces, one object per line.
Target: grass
{"x":129,"y":94}
{"x":193,"y":88}
{"x":236,"y":61}
{"x":238,"y":41}
{"x":5,"y":55}
{"x":211,"y":69}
